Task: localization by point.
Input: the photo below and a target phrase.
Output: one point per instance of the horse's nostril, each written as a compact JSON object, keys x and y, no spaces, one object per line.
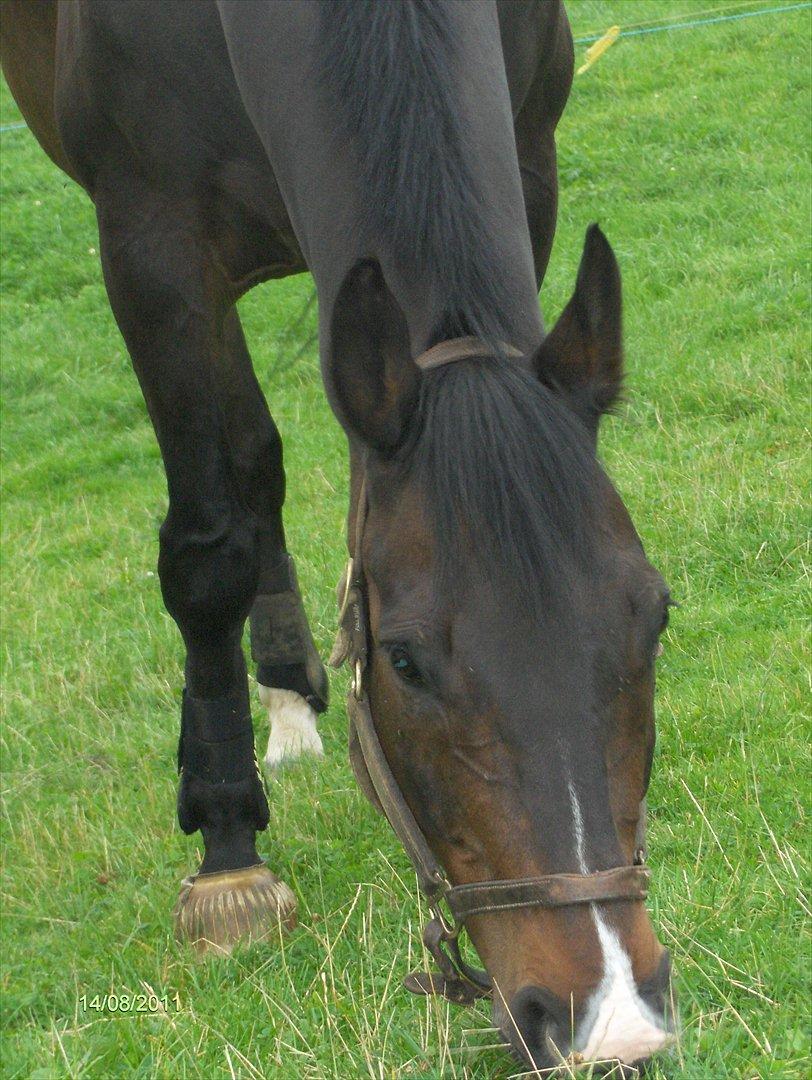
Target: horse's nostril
{"x":658,"y":992}
{"x":539,"y":1026}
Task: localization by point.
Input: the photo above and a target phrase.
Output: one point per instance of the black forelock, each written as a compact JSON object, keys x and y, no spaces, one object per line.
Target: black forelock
{"x":508,"y":477}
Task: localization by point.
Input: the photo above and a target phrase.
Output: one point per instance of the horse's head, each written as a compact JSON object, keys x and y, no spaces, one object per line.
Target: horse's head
{"x":514,"y":625}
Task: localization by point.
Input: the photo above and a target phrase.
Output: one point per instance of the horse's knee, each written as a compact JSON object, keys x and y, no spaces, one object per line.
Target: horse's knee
{"x":267,"y":459}
{"x":209,"y":574}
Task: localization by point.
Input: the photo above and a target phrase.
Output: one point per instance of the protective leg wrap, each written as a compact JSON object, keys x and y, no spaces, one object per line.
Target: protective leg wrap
{"x":216,"y":739}
{"x":221,"y":786}
{"x":281,"y":643}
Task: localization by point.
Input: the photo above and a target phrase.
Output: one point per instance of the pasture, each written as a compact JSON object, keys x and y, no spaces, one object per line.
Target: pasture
{"x":691,"y":148}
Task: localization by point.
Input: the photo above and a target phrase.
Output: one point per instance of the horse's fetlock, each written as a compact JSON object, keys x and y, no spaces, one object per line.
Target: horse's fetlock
{"x":222,"y":810}
{"x":293,"y":726}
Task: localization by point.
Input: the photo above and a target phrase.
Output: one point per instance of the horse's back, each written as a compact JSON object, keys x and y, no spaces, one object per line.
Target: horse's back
{"x":28,"y":54}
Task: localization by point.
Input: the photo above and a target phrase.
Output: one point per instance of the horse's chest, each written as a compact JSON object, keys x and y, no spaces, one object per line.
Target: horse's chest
{"x":249,"y":226}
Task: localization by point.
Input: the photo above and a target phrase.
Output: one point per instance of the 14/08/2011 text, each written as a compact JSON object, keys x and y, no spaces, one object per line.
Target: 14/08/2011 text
{"x":130,"y":1003}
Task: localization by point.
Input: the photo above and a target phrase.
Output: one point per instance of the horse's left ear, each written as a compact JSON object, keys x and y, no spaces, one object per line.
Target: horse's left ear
{"x":582,"y":356}
{"x":373,"y":376}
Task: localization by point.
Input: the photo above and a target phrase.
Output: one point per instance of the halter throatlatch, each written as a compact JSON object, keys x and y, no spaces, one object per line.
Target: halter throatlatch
{"x":449,"y":904}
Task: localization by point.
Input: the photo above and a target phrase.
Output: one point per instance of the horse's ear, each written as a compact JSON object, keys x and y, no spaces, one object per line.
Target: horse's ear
{"x":582,"y":356}
{"x":372,"y":373}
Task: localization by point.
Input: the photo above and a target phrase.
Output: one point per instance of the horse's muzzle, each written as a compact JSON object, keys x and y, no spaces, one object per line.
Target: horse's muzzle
{"x":617,"y":1030}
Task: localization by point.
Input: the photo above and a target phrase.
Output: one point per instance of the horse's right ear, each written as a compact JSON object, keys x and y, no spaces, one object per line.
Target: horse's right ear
{"x":582,"y":356}
{"x":373,"y":376}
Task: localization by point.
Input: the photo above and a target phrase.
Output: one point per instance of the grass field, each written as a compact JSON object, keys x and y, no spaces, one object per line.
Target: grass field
{"x":692,"y":150}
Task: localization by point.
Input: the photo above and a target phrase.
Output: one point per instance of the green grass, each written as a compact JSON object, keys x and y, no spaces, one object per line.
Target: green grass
{"x":691,"y":148}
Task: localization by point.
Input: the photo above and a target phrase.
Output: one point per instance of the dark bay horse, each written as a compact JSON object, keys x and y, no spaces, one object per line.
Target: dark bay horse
{"x":403,"y":152}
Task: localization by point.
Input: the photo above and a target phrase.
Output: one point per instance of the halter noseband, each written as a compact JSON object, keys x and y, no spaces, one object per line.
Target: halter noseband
{"x":456,"y":979}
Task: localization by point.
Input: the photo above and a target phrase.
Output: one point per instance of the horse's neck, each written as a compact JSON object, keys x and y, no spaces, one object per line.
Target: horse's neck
{"x":320,"y":179}
{"x":478,"y":98}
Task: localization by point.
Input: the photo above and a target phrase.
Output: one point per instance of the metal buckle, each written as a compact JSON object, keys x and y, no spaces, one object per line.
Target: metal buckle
{"x":456,"y":980}
{"x":450,"y":929}
{"x":357,"y":681}
{"x":342,"y":610}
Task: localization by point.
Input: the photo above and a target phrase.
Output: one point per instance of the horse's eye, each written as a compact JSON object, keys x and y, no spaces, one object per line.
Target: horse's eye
{"x":658,"y":648}
{"x":403,"y":664}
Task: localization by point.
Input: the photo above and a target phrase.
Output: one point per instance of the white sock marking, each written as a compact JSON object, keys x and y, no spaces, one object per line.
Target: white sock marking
{"x":617,"y":1022}
{"x":293,"y":726}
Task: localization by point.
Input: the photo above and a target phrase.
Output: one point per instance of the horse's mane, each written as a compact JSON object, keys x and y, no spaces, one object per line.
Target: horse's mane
{"x":507,"y":473}
{"x":501,"y":462}
{"x":390,"y":67}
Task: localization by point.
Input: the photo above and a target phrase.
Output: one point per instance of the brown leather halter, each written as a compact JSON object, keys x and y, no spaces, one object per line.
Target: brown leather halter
{"x":456,"y":979}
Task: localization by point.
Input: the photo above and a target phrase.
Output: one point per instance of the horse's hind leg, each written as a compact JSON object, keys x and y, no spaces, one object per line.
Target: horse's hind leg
{"x":535,"y":138}
{"x":292,"y":681}
{"x":28,"y":56}
{"x":168,"y":302}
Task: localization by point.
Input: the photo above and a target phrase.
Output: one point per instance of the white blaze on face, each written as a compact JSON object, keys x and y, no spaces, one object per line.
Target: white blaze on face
{"x":617,"y":1023}
{"x":293,"y":726}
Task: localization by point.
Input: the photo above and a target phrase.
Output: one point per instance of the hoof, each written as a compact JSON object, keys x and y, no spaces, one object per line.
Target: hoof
{"x":216,"y":911}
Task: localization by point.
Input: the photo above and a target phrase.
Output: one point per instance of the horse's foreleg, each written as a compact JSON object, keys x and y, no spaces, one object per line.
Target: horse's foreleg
{"x":292,"y":681}
{"x":165,"y":299}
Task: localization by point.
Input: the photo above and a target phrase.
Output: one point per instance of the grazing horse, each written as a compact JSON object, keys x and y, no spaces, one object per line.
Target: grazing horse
{"x":507,"y":619}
